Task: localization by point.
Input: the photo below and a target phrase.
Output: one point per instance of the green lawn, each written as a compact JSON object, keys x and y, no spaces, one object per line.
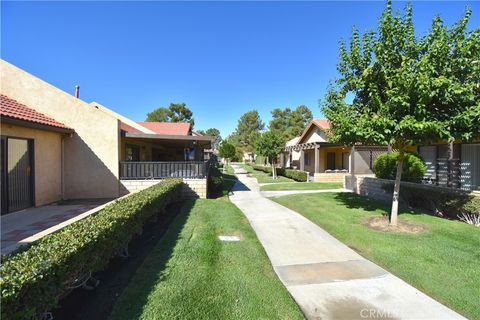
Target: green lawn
{"x":263,"y":177}
{"x":190,"y":274}
{"x":302,"y":186}
{"x":442,"y":262}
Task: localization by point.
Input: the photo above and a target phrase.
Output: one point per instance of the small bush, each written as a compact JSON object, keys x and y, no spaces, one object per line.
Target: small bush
{"x":215,"y":180}
{"x":33,"y":280}
{"x":414,"y":168}
{"x":297,"y":175}
{"x":446,"y":203}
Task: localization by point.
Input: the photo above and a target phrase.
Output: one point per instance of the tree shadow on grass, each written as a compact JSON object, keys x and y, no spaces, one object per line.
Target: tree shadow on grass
{"x":134,"y":300}
{"x":355,"y":201}
{"x":157,"y":238}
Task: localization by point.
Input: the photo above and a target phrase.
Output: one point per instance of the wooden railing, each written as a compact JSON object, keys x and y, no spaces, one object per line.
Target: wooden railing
{"x":130,"y":170}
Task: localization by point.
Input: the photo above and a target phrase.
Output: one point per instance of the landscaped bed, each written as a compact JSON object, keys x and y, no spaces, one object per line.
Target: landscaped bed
{"x":441,"y":260}
{"x":302,"y":186}
{"x":191,"y":274}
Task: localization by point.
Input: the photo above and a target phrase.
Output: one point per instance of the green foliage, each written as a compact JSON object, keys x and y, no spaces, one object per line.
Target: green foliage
{"x":176,"y":112}
{"x":414,"y":168}
{"x":447,"y":203}
{"x":248,"y":130}
{"x":407,"y":90}
{"x":297,"y":175}
{"x":215,"y":180}
{"x":270,"y":145}
{"x":290,"y":124}
{"x":33,"y":280}
{"x":227,"y":150}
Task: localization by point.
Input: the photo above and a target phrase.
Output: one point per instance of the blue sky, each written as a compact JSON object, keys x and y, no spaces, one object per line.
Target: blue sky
{"x":220,"y":58}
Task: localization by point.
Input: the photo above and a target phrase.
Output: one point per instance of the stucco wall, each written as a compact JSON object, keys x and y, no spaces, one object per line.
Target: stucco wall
{"x":47,"y":161}
{"x":315,"y":135}
{"x":192,"y":188}
{"x":92,"y":153}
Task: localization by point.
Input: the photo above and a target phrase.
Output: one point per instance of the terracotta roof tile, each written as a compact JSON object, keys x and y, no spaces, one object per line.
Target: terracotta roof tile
{"x":322,"y":123}
{"x":125,"y":127}
{"x":168,"y":128}
{"x":11,"y":108}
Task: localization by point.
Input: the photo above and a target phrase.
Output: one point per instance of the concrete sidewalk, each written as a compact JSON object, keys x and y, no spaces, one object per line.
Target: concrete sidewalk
{"x":326,"y":278}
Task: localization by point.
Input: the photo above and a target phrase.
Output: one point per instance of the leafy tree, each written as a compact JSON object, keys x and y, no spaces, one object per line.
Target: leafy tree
{"x":407,"y":90}
{"x":227,"y":151}
{"x":288,"y":123}
{"x":270,"y":145}
{"x":212,"y":132}
{"x":176,"y":112}
{"x":248,"y":130}
{"x":298,"y":120}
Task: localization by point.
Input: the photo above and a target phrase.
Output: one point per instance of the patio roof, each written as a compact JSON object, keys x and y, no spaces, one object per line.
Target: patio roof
{"x":204,"y":141}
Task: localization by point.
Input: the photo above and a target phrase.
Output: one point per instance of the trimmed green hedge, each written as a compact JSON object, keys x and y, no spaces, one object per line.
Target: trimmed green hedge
{"x":297,"y":175}
{"x":33,"y":280}
{"x":448,"y":204}
{"x":215,"y":179}
{"x":414,"y":168}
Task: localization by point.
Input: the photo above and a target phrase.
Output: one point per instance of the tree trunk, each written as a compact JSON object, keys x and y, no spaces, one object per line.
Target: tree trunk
{"x":396,"y":189}
{"x":225,"y":165}
{"x":274,"y":170}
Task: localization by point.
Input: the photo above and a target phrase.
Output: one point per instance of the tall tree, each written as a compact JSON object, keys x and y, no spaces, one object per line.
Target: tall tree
{"x":248,"y":127}
{"x":176,"y":112}
{"x":290,"y":123}
{"x":407,"y":90}
{"x":214,"y":132}
{"x":270,"y":145}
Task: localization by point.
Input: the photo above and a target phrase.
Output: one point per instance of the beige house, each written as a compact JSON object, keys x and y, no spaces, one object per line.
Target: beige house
{"x":84,"y":150}
{"x":325,"y":161}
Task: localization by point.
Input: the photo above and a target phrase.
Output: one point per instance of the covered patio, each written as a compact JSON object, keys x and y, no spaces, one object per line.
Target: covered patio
{"x":156,"y":156}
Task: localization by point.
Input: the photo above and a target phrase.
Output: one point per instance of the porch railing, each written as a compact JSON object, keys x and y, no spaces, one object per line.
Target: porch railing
{"x":130,"y":170}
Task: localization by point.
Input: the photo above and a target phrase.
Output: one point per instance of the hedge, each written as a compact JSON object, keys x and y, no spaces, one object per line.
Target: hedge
{"x":413,"y":170}
{"x":34,"y":280}
{"x":448,"y":204}
{"x":297,"y":175}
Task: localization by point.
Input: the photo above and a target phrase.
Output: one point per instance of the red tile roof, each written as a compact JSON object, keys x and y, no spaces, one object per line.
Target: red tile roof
{"x":322,"y":123}
{"x":11,"y":108}
{"x":125,"y":127}
{"x":168,"y":128}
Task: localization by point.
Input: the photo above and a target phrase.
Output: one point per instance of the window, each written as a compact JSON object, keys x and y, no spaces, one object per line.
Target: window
{"x":307,"y":159}
{"x":132,"y":152}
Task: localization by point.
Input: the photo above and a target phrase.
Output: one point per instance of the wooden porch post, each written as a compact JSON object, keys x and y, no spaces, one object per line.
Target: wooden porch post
{"x":302,"y":160}
{"x":317,"y":158}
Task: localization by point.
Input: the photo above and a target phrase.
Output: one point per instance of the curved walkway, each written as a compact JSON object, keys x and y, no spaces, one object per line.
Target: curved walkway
{"x":326,"y":278}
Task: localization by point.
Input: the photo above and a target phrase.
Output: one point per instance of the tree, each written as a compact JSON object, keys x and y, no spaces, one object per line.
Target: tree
{"x":227,"y":151}
{"x":407,"y":90}
{"x":176,"y":112}
{"x":248,"y":127}
{"x":270,"y":145}
{"x":288,"y":123}
{"x":214,"y":132}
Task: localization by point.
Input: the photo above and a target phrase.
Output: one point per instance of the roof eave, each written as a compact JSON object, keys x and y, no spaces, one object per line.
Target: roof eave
{"x":35,"y":125}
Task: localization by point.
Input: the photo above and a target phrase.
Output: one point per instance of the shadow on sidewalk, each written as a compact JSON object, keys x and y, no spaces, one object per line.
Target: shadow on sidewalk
{"x":240,"y":186}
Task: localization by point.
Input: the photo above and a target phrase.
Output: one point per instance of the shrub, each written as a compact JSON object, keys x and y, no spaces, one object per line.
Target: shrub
{"x":385,"y":167}
{"x":297,"y":175}
{"x":33,"y":280}
{"x":445,"y":203}
{"x":215,"y":180}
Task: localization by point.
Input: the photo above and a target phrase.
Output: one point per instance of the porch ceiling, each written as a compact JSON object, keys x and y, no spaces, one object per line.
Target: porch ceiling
{"x":171,"y":140}
{"x":311,"y":146}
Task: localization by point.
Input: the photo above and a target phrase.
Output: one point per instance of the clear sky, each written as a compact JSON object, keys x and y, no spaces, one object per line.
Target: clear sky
{"x":220,"y":58}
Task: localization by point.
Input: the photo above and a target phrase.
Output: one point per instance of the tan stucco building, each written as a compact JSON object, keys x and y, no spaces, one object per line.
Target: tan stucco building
{"x":97,"y":147}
